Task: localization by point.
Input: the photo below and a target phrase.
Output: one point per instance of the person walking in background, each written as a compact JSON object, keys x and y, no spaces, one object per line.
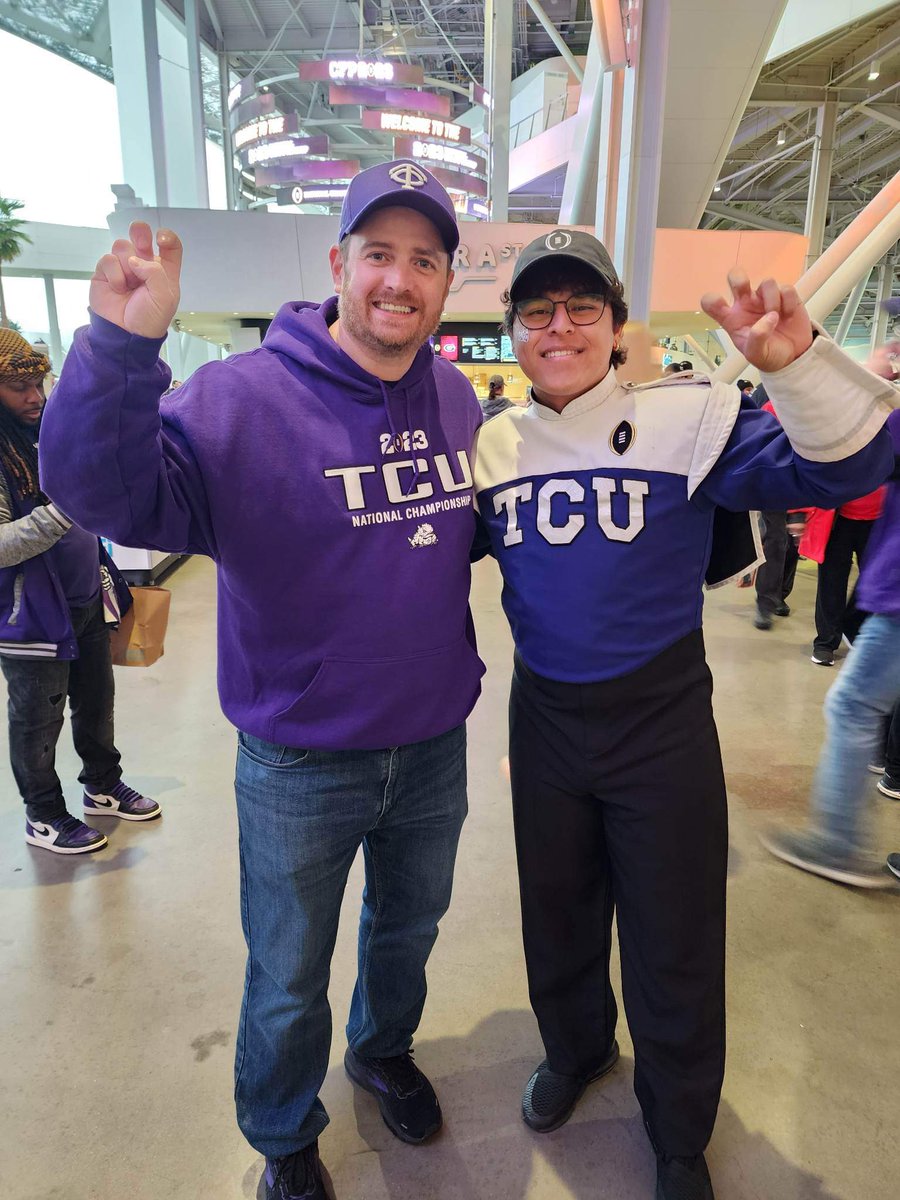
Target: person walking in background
{"x":887,"y":764}
{"x":54,"y":639}
{"x":850,"y":528}
{"x":775,"y":577}
{"x":837,"y":842}
{"x":496,"y":401}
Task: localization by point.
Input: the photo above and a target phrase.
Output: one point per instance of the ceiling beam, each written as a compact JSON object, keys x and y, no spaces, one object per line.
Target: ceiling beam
{"x":883,"y":45}
{"x":800,"y":93}
{"x":752,"y":220}
{"x":254,"y":16}
{"x":889,"y":114}
{"x":214,"y":20}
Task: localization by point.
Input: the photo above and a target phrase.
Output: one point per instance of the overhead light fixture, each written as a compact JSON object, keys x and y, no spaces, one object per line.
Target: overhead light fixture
{"x":874,"y":70}
{"x":717,"y":188}
{"x":782,"y":136}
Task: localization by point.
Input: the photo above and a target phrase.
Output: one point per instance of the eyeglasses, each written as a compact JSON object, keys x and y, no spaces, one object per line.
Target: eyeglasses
{"x":538,"y":313}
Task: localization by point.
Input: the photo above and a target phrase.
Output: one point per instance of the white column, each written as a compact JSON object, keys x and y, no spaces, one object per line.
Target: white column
{"x":56,"y":352}
{"x":135,"y":51}
{"x":641,"y":154}
{"x":609,"y":153}
{"x":885,"y":289}
{"x":579,"y":198}
{"x":500,"y":15}
{"x":820,"y":179}
{"x":851,"y":308}
{"x":195,"y":84}
{"x":231,"y":191}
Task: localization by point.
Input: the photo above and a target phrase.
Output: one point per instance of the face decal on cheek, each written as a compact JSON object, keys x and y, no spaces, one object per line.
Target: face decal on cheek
{"x":523,"y":334}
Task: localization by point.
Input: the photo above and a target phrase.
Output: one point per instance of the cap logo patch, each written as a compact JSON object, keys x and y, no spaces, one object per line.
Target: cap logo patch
{"x":623,"y":438}
{"x":408,"y":176}
{"x":558,"y":240}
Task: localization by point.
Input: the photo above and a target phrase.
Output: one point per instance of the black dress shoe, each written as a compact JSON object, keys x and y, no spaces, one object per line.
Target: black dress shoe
{"x":783,"y":610}
{"x":549,"y":1098}
{"x":683,"y":1178}
{"x":762,"y":620}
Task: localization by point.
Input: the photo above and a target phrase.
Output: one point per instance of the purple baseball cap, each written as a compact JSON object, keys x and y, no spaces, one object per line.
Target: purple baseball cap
{"x":404,"y":183}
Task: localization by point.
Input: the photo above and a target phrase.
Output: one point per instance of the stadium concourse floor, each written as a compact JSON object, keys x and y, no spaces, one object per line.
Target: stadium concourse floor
{"x":122,"y":972}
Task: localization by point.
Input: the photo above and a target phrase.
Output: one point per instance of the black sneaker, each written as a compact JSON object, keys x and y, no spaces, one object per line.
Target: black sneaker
{"x":297,"y":1176}
{"x":822,"y":658}
{"x":683,"y":1178}
{"x":889,"y":785}
{"x":406,"y":1098}
{"x":783,"y":610}
{"x":549,"y":1098}
{"x":893,"y":862}
{"x":762,"y":620}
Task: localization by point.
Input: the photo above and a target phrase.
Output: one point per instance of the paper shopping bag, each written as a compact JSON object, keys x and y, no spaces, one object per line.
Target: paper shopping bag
{"x":140,"y":637}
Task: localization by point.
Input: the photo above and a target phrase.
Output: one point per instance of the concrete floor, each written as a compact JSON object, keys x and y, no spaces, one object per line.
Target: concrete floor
{"x":122,"y":972}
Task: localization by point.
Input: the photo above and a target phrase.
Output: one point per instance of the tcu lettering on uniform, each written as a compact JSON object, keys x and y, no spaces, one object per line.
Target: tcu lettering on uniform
{"x":561,"y":534}
{"x":394,"y":485}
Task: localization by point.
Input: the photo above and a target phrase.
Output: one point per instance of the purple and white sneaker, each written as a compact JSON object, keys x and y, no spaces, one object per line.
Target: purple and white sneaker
{"x":65,"y":835}
{"x":121,"y":801}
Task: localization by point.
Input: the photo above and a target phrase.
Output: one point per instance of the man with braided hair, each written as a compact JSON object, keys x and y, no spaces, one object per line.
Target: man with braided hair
{"x":53,"y":633}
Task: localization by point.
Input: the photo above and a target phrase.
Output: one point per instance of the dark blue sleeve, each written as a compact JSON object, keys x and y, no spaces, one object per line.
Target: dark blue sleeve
{"x":481,"y":543}
{"x":760,"y":469}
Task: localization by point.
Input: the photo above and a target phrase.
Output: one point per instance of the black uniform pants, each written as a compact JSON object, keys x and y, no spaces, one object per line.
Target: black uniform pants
{"x":619,"y":805}
{"x":835,"y":614}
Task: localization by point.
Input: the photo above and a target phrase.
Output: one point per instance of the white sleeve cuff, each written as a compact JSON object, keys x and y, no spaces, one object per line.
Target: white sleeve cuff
{"x":829,"y":405}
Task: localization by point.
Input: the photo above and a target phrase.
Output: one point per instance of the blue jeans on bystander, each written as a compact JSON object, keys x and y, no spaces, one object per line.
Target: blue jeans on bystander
{"x":856,"y":706}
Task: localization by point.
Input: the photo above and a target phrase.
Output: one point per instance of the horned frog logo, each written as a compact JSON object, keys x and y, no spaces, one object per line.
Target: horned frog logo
{"x":424,"y":536}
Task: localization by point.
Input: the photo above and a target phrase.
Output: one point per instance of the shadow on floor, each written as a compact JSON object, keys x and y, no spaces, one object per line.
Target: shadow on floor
{"x":485,"y":1152}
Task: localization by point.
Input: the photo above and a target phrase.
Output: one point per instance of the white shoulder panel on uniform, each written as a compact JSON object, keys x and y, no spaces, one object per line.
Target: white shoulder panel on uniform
{"x":675,"y":428}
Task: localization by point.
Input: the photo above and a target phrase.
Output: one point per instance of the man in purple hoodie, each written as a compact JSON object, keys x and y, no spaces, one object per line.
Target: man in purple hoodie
{"x":327,"y":475}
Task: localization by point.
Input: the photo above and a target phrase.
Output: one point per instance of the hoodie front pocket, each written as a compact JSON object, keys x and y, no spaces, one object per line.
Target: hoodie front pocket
{"x":386,"y":702}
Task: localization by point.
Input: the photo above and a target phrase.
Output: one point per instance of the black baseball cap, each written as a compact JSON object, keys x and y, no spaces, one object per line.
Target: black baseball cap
{"x":570,"y":244}
{"x":404,"y":183}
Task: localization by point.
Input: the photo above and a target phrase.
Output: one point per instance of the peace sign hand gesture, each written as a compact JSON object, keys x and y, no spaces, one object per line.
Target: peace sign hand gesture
{"x":135,"y":289}
{"x":769,"y":325}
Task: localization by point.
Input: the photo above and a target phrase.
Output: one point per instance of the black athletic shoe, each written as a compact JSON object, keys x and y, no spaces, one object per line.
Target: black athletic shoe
{"x":762,"y":620}
{"x":683,"y":1179}
{"x":549,"y":1099}
{"x":297,"y":1176}
{"x":406,"y":1098}
{"x":889,"y":785}
{"x":893,"y":862}
{"x":822,"y":658}
{"x":783,"y":610}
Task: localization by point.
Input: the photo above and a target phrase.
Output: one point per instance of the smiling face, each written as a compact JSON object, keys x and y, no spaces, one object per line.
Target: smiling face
{"x":392,"y":278}
{"x":24,"y":398}
{"x":565,"y":360}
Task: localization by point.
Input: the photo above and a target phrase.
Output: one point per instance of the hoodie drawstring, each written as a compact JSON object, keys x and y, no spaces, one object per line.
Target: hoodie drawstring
{"x":397,"y":438}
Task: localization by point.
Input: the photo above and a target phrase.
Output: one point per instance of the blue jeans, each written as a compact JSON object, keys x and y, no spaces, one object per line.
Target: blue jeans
{"x":855,"y":710}
{"x":303,"y":814}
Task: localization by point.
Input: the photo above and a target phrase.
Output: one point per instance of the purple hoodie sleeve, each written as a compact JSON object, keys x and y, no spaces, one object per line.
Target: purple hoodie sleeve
{"x":107,"y":457}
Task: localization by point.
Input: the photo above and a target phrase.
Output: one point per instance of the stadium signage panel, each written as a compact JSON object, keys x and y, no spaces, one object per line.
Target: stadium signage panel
{"x":279,"y":174}
{"x":288,"y":148}
{"x":408,"y":101}
{"x":457,"y":157}
{"x":459,"y":182}
{"x":343,"y":70}
{"x":265,"y":127}
{"x":420,"y":127}
{"x":310,"y":195}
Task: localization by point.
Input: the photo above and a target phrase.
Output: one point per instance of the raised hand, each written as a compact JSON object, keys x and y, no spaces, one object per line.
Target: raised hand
{"x":769,"y":324}
{"x":135,"y":289}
